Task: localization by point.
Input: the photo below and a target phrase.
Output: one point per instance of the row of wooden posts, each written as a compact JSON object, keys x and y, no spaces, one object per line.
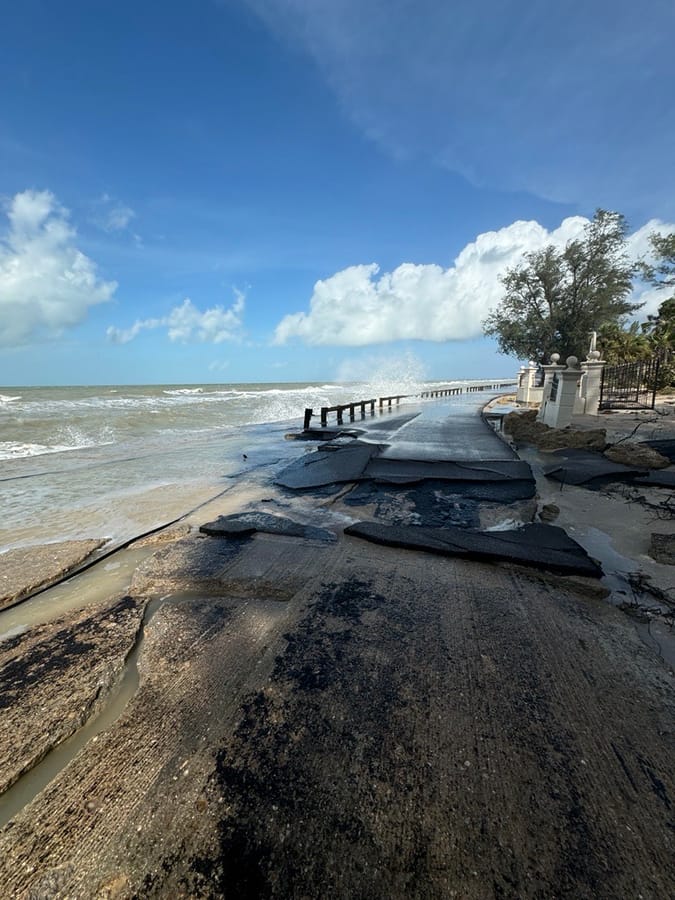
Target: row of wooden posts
{"x":383,"y":402}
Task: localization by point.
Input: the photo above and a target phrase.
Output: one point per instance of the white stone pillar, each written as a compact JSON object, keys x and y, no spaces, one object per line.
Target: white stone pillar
{"x":529,"y":373}
{"x":549,"y":372}
{"x":592,"y":367}
{"x":580,"y":398}
{"x":559,"y":409}
{"x":522,"y":384}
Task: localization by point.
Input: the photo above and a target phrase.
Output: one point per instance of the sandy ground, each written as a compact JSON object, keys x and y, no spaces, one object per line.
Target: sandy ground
{"x":349,"y":720}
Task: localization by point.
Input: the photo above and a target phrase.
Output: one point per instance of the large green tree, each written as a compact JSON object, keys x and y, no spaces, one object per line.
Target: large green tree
{"x":554,"y":298}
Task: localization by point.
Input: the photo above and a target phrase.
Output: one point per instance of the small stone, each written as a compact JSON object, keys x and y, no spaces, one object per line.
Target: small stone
{"x":549,"y":512}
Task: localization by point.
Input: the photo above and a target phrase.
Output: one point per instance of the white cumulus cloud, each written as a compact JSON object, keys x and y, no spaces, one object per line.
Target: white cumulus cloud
{"x":360,"y":306}
{"x":639,"y":248}
{"x":46,"y":283}
{"x":124,"y":335}
{"x":187,"y":324}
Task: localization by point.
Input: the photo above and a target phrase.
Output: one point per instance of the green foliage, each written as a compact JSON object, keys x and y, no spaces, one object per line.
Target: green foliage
{"x":619,"y":345}
{"x":555,"y":298}
{"x":662,"y":272}
{"x":660,"y":329}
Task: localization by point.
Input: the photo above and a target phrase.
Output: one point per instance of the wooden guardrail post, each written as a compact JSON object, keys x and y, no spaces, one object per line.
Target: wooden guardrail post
{"x":308,"y":417}
{"x":324,"y":416}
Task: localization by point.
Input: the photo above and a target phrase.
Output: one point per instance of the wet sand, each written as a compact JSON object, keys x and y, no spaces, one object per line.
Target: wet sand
{"x":343,"y":719}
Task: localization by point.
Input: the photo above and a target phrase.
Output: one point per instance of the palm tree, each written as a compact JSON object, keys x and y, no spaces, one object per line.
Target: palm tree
{"x":621,"y":345}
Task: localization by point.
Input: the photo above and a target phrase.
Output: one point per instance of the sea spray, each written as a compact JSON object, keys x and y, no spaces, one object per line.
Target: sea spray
{"x":385,"y":376}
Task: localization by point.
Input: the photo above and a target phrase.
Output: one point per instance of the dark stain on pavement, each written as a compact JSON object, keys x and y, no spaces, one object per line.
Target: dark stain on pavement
{"x":273,"y":775}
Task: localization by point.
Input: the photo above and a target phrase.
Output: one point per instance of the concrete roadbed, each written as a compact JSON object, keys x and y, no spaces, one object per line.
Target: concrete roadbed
{"x":398,"y":726}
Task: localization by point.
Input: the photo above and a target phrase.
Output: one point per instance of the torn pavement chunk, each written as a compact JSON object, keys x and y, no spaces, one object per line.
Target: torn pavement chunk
{"x":544,"y":546}
{"x":325,"y":466}
{"x":245,"y":524}
{"x":590,"y":469}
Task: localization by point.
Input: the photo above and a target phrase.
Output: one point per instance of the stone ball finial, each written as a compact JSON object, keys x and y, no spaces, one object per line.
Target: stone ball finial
{"x":593,"y":355}
{"x":554,"y":358}
{"x":572,"y":362}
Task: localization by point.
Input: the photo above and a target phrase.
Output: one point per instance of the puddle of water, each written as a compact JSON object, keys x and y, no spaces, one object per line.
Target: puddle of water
{"x":96,"y":585}
{"x":616,"y":567}
{"x":656,"y":635}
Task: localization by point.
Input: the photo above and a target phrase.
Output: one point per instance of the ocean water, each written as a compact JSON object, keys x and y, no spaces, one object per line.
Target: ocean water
{"x":115,"y":461}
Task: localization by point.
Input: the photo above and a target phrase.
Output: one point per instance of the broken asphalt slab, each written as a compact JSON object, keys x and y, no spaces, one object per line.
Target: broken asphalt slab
{"x":327,"y":466}
{"x":359,"y":461}
{"x":245,"y":524}
{"x":322,"y":434}
{"x":427,"y":495}
{"x":592,"y":470}
{"x":28,"y":569}
{"x":542,"y":546}
{"x":658,"y":478}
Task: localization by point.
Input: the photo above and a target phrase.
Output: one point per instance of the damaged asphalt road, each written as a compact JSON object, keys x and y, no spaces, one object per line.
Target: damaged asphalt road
{"x":387,"y":482}
{"x":344,"y":719}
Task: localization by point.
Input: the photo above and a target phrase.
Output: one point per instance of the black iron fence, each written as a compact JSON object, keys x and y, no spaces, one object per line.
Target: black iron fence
{"x":630,"y":385}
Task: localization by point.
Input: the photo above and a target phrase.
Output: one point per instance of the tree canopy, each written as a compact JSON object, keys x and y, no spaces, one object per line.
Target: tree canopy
{"x":656,"y":335}
{"x":554,"y":298}
{"x":661,"y":273}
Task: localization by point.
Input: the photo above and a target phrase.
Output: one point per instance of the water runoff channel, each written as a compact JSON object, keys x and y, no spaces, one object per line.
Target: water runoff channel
{"x":92,"y":587}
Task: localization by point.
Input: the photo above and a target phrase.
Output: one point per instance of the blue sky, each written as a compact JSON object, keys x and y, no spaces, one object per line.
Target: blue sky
{"x":272,"y":190}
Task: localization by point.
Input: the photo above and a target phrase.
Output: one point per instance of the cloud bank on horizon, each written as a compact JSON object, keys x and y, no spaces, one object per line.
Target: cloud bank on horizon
{"x":359,"y":306}
{"x":48,"y":285}
{"x":555,"y":99}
